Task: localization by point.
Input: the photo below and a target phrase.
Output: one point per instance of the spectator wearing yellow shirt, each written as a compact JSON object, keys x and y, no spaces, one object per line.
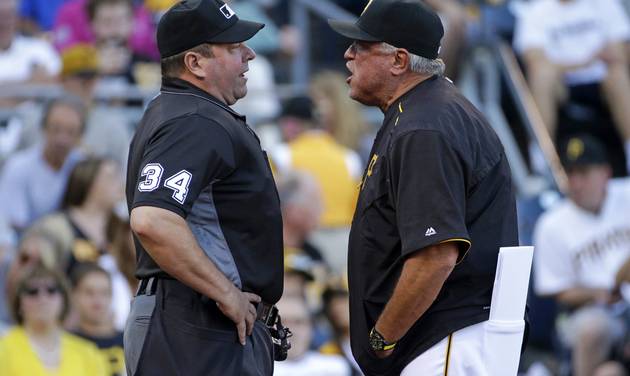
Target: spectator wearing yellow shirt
{"x":336,"y":169}
{"x":39,"y":346}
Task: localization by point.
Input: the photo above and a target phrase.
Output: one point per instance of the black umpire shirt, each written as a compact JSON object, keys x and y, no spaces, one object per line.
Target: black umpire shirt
{"x":196,"y":157}
{"x":437,"y":173}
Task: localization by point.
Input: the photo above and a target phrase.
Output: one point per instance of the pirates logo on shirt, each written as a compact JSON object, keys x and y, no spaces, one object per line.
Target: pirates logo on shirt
{"x":369,"y":170}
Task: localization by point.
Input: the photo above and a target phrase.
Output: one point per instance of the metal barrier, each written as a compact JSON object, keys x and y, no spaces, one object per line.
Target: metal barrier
{"x":481,"y":83}
{"x":529,"y":113}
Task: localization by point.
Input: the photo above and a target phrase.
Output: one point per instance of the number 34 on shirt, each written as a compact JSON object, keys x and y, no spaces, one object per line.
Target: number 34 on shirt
{"x":179,"y":182}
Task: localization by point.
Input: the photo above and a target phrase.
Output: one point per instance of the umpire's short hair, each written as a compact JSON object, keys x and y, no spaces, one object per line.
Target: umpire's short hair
{"x":173,"y":66}
{"x":67,"y":100}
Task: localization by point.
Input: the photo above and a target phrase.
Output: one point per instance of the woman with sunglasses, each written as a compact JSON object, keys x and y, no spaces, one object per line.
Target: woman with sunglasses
{"x":38,"y":345}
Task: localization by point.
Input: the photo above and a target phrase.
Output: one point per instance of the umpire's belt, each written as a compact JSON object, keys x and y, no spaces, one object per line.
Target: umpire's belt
{"x":265,"y":312}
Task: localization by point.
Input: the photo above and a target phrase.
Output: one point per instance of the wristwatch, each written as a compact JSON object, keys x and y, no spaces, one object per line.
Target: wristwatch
{"x":378,"y":343}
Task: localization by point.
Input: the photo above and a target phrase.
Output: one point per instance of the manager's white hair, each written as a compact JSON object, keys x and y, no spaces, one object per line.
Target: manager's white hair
{"x":419,"y":64}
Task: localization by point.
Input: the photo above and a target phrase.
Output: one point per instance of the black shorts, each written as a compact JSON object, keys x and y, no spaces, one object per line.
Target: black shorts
{"x":173,"y":330}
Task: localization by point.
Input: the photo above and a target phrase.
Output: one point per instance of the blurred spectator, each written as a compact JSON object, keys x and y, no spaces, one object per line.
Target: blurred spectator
{"x":337,"y":311}
{"x":108,"y":131}
{"x":298,"y":274}
{"x":301,"y":204}
{"x":159,"y":6}
{"x":302,"y":361}
{"x":92,"y":299}
{"x":33,"y":180}
{"x":36,"y":248}
{"x":94,"y":188}
{"x":120,"y":263}
{"x":38,"y":16}
{"x":455,"y":19}
{"x":574,"y":46}
{"x":338,"y":114}
{"x":581,"y":245}
{"x":22,"y":58}
{"x":38,"y":345}
{"x":99,"y":21}
{"x":336,"y":169}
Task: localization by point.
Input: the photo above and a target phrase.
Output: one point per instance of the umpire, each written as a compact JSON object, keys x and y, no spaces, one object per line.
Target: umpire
{"x":436,"y":203}
{"x":204,"y":209}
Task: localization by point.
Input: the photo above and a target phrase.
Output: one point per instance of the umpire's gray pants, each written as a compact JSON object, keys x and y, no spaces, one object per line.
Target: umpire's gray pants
{"x":173,"y":330}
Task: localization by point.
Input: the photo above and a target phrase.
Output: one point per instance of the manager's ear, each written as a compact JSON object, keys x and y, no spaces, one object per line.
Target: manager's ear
{"x":402,"y":62}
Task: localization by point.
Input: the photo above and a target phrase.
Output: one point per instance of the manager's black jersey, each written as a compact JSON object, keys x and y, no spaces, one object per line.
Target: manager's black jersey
{"x":194,"y":156}
{"x":437,"y":173}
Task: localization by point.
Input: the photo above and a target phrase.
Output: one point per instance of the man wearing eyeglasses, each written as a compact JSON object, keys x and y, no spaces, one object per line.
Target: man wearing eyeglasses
{"x":436,"y":203}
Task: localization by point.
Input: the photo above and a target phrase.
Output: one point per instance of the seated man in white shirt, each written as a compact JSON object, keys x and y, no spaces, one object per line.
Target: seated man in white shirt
{"x":32,"y":181}
{"x":581,"y":244}
{"x":566,"y":43}
{"x":301,"y":361}
{"x":23,"y":58}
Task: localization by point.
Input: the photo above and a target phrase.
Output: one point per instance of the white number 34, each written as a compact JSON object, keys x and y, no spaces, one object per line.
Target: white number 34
{"x":179,"y":182}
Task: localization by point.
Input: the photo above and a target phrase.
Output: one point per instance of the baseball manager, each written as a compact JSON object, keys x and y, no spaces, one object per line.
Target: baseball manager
{"x":436,"y":203}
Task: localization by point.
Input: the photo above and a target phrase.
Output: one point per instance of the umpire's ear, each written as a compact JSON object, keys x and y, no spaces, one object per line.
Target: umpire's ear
{"x":195,"y":64}
{"x":401,"y":62}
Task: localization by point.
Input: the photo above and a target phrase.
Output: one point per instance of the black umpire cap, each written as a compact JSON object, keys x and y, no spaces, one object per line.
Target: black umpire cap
{"x":190,"y":23}
{"x":408,"y":24}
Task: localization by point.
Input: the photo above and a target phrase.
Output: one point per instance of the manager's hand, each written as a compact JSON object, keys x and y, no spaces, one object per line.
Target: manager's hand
{"x":237,"y":306}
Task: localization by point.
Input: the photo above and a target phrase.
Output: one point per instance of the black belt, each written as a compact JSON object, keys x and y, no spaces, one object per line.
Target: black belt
{"x":265,"y":312}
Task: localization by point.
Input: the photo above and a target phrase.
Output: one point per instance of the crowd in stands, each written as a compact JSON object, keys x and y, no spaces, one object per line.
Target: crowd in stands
{"x":66,"y":251}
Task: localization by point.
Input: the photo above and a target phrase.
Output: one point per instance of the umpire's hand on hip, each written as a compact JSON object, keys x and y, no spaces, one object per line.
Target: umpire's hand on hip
{"x":237,"y":306}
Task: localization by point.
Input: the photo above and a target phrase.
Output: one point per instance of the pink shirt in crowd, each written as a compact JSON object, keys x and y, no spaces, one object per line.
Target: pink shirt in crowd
{"x":72,"y":26}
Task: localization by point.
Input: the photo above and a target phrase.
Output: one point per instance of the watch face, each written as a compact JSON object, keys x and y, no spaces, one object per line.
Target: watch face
{"x":376,"y":341}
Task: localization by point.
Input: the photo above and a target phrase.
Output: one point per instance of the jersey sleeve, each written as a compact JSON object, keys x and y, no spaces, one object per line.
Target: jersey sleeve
{"x":553,"y":270}
{"x":427,"y":179}
{"x":181,"y":159}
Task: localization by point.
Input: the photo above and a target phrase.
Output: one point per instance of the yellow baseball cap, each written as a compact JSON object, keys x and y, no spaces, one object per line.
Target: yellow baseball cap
{"x":79,"y":60}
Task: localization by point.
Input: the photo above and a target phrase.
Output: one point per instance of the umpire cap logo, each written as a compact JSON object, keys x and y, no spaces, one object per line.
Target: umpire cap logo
{"x":227,"y":11}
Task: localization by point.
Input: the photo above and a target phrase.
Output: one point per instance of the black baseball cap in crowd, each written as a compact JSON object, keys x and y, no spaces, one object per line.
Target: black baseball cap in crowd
{"x":408,"y":24}
{"x":582,"y":150}
{"x":300,"y":107}
{"x":190,"y":23}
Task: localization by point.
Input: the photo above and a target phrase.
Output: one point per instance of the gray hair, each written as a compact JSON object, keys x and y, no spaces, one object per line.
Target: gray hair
{"x":293,"y":188}
{"x":419,"y":64}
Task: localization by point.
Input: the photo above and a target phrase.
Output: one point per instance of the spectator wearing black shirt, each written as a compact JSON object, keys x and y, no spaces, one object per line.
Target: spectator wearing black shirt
{"x":92,"y":301}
